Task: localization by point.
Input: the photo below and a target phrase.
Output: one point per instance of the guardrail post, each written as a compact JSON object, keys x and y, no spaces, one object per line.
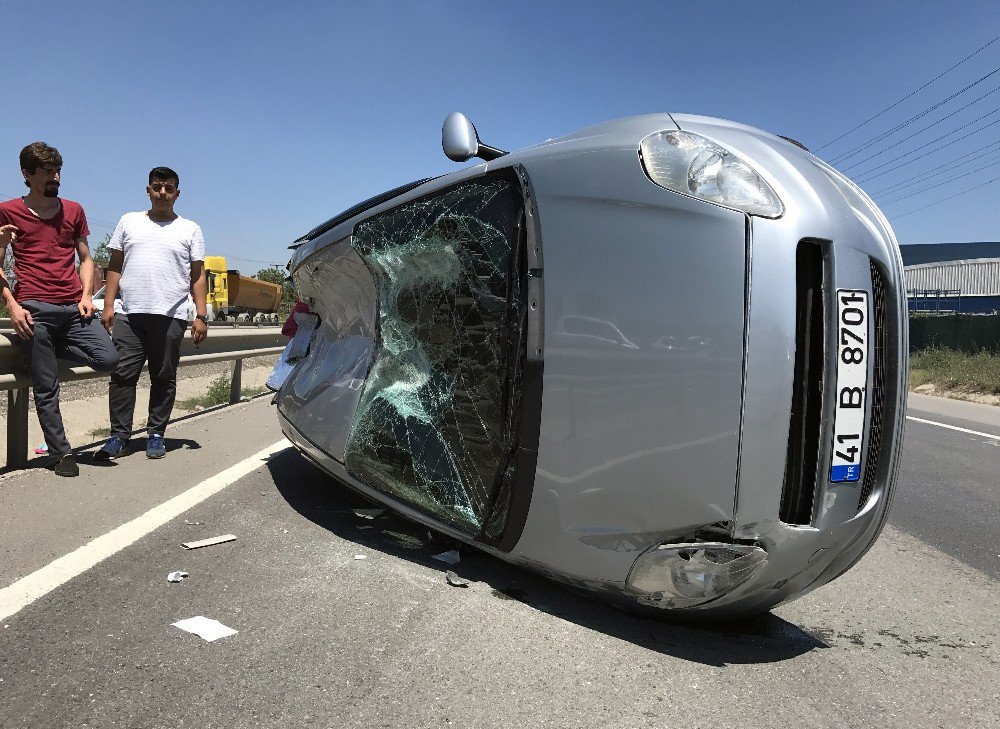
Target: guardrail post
{"x":17,"y":427}
{"x":236,"y":384}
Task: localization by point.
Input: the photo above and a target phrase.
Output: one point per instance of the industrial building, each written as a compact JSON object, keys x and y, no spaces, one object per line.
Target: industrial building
{"x":953,"y":277}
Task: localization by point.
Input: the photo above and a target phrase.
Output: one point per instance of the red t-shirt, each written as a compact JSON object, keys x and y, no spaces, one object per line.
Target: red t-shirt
{"x":291,"y":326}
{"x":45,"y":251}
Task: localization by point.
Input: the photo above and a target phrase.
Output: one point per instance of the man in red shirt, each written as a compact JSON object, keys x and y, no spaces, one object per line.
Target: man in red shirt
{"x":51,"y":307}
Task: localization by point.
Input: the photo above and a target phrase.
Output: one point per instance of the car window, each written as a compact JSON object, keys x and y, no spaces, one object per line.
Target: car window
{"x":436,"y":423}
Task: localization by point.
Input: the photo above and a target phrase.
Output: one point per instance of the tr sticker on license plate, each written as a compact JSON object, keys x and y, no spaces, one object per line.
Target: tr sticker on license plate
{"x":852,"y":380}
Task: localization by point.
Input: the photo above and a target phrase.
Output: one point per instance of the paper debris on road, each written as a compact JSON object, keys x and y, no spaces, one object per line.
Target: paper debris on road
{"x":360,"y":556}
{"x":176,"y":576}
{"x":449,"y":557}
{"x":456,"y":581}
{"x":368,"y":513}
{"x":209,"y":542}
{"x":205,"y":627}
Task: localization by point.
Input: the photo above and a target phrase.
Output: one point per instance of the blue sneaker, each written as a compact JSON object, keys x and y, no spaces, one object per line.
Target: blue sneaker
{"x":114,"y":448}
{"x":155,"y":447}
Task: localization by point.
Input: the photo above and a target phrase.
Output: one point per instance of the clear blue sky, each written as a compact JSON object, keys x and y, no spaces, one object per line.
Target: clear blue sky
{"x":279,"y":115}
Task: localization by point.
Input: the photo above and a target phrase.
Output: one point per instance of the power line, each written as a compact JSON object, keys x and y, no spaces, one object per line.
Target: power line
{"x":910,"y":162}
{"x":946,"y":182}
{"x":895,"y":129}
{"x":928,"y":174}
{"x":253,"y":260}
{"x":907,"y":154}
{"x":892,"y":146}
{"x":892,"y":106}
{"x":938,"y":202}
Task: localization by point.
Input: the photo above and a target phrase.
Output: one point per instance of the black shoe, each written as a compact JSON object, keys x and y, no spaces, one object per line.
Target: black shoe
{"x":67,"y":466}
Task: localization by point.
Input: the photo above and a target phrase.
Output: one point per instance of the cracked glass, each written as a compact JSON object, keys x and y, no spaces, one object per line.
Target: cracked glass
{"x":436,"y":424}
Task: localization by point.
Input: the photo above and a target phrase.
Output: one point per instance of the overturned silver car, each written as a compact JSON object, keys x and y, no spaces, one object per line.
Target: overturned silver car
{"x":662,"y":358}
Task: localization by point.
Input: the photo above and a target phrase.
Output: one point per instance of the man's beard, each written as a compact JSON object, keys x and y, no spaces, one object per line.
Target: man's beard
{"x":51,"y":189}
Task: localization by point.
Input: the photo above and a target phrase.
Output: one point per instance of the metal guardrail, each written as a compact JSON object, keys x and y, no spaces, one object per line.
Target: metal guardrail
{"x":225,"y":342}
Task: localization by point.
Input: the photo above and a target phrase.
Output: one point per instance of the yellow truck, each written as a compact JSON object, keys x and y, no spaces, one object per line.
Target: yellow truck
{"x":232,"y":296}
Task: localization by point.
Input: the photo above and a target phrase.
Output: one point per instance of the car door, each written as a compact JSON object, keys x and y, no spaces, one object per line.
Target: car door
{"x":436,"y":424}
{"x":415,"y":377}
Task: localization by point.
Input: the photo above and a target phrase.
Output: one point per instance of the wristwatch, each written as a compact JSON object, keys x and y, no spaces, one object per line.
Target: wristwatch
{"x":202,"y":318}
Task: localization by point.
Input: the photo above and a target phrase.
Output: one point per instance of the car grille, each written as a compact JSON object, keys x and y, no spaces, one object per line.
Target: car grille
{"x":805,"y":423}
{"x":878,"y":385}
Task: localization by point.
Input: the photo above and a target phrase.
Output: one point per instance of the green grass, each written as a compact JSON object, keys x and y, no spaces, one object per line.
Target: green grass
{"x":217,"y":394}
{"x":948,"y":369}
{"x":99,"y":433}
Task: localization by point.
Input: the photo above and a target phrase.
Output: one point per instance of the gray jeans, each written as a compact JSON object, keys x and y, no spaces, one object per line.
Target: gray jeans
{"x":139,"y":337}
{"x":61,"y":333}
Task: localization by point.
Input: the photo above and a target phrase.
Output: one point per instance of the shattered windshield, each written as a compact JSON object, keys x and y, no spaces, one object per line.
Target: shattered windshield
{"x":436,"y":422}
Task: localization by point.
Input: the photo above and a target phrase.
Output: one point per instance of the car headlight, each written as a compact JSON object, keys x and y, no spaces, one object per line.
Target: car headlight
{"x":686,"y":575}
{"x":693,"y":165}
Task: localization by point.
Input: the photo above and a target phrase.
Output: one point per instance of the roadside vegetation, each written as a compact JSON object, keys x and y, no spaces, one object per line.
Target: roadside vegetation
{"x":956,"y":372}
{"x":217,"y":394}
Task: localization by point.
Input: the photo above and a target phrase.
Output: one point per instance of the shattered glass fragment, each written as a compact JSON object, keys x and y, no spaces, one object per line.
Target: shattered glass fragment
{"x":450,"y":557}
{"x":498,"y":515}
{"x":433,"y":426}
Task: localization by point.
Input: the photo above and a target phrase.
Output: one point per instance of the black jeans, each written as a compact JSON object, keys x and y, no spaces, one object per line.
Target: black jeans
{"x":61,"y":333}
{"x":139,"y":337}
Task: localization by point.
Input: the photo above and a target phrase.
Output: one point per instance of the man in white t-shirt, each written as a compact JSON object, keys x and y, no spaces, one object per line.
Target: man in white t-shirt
{"x":157,"y":259}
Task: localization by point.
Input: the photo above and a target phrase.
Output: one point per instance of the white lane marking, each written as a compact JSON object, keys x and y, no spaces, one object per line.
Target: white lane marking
{"x":954,"y":427}
{"x":39,"y":583}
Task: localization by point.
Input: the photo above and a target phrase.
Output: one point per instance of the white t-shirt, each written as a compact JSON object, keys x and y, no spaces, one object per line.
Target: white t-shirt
{"x":156,"y":275}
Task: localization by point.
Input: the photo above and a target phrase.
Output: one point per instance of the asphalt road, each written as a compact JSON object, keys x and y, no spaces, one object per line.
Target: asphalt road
{"x":908,"y":638}
{"x":949,"y":490}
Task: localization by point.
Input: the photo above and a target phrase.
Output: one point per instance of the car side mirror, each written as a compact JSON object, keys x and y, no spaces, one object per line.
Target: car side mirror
{"x":460,"y":140}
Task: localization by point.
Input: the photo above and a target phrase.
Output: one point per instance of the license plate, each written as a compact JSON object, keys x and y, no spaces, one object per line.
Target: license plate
{"x":852,"y":381}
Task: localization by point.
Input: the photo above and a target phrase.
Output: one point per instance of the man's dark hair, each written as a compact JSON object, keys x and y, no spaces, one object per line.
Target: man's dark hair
{"x":163,"y":174}
{"x":39,"y":154}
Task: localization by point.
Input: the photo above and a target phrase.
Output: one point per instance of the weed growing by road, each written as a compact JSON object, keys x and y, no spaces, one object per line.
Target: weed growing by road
{"x":217,"y":394}
{"x":948,"y":369}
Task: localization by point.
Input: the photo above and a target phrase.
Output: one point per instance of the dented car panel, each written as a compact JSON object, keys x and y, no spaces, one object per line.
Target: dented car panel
{"x":628,"y":388}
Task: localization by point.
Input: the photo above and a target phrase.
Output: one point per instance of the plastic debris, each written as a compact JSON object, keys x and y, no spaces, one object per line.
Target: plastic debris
{"x":360,"y":556}
{"x":456,"y":581}
{"x":176,"y":576}
{"x":209,"y":542}
{"x":449,"y":557}
{"x":206,"y":628}
{"x":199,"y":408}
{"x":368,"y":513}
{"x":42,"y":449}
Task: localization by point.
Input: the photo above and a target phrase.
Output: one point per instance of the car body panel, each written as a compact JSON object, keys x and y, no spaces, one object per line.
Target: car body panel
{"x":628,"y":453}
